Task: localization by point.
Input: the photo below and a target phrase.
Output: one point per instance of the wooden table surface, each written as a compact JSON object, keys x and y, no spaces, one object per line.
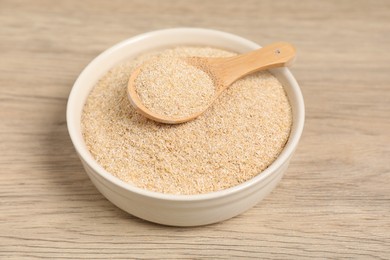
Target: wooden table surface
{"x":334,"y":201}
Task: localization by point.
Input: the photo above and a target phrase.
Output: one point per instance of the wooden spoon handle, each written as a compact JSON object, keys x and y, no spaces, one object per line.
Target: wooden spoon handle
{"x":275,"y":55}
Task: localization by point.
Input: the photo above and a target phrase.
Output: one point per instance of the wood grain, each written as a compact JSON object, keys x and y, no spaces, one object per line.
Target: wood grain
{"x":334,"y":201}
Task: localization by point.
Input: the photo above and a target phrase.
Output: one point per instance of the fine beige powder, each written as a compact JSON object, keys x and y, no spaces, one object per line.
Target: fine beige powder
{"x":172,"y":87}
{"x":233,"y":141}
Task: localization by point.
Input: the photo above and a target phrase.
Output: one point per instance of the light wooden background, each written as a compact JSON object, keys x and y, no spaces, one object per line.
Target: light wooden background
{"x":334,"y":201}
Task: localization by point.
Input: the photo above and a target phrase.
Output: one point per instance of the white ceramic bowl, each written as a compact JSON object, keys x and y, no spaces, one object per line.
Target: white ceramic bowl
{"x":179,"y":210}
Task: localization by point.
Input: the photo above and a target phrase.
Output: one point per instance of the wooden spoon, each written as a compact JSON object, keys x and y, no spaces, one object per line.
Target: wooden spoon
{"x":224,"y":71}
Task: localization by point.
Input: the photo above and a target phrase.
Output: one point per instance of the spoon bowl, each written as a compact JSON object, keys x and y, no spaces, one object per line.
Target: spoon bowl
{"x":223,"y":71}
{"x":140,"y":107}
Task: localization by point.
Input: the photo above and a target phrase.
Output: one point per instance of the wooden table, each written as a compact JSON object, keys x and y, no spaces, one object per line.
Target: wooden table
{"x":334,"y":201}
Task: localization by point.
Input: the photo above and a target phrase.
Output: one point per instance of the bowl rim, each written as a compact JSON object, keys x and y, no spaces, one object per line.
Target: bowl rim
{"x":85,"y":155}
